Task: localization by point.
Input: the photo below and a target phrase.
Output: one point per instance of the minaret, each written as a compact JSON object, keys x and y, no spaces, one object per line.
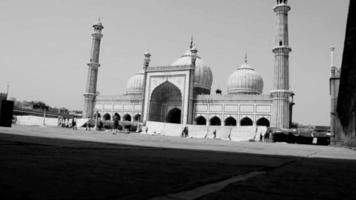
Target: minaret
{"x":93,"y":66}
{"x":146,"y":63}
{"x":335,"y":126}
{"x":194,"y":53}
{"x":280,"y":94}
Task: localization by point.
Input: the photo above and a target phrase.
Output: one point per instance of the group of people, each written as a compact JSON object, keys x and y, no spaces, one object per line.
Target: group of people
{"x":67,"y":122}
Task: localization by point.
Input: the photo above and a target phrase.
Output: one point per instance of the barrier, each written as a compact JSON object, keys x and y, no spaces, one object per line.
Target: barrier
{"x":233,"y":133}
{"x":197,"y":131}
{"x":154,"y":128}
{"x":261,"y":131}
{"x":172,"y":129}
{"x":223,"y":132}
{"x":82,"y":121}
{"x":37,"y":121}
{"x":243,"y":133}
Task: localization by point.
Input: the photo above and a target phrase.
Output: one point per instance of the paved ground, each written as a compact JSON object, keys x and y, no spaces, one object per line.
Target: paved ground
{"x":55,"y":163}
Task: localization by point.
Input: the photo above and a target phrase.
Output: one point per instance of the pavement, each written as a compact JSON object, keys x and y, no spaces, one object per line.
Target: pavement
{"x":58,"y":163}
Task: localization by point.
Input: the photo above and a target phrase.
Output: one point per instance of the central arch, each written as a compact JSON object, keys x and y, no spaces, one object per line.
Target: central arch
{"x":174,"y":116}
{"x":166,"y":104}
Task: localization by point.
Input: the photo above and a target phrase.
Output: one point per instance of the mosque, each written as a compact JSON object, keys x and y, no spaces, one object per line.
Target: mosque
{"x":180,"y":93}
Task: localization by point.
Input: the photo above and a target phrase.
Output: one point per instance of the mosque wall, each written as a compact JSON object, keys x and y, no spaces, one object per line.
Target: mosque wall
{"x":237,"y":109}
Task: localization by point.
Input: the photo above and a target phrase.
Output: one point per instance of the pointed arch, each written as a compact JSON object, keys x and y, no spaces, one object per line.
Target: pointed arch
{"x":107,"y":116}
{"x":263,"y":122}
{"x":200,"y":120}
{"x":246,"y":121}
{"x":137,"y":117}
{"x":230,"y":121}
{"x":117,"y":115}
{"x":97,"y":115}
{"x":164,"y":98}
{"x":127,"y":117}
{"x":174,"y":116}
{"x":215,"y":121}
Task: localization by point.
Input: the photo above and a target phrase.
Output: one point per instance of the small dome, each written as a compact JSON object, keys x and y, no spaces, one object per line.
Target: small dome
{"x":135,"y":84}
{"x":245,"y":80}
{"x":203,"y":77}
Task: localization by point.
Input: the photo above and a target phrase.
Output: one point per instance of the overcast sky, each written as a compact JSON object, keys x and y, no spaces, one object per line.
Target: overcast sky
{"x":45,"y":45}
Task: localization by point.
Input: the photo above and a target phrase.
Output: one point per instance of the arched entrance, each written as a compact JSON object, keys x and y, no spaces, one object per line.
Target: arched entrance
{"x":97,"y":115}
{"x":246,"y":122}
{"x":174,"y":116}
{"x":107,"y":117}
{"x":127,"y":117}
{"x":263,"y":122}
{"x":230,"y":121}
{"x":215,"y":121}
{"x":166,"y":104}
{"x":200,"y":120}
{"x":117,"y":116}
{"x":137,"y":117}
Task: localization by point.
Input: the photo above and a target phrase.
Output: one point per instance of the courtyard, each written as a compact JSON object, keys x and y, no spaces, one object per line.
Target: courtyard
{"x":56,"y":163}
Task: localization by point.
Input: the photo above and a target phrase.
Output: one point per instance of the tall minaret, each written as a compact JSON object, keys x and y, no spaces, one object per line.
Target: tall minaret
{"x":194,"y":53}
{"x":146,"y":63}
{"x":280,"y":94}
{"x":335,"y":126}
{"x":93,"y":66}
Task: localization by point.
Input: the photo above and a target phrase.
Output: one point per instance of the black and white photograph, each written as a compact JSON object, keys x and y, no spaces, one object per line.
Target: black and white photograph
{"x":177,"y":99}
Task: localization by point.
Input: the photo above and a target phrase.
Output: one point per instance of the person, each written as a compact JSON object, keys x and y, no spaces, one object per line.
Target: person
{"x":116,"y":124}
{"x":214,"y":133}
{"x":74,"y":124}
{"x":185,"y":132}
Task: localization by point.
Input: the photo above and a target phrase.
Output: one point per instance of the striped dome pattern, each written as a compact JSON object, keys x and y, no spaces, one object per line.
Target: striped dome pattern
{"x":245,"y":80}
{"x":135,"y":84}
{"x":203,"y":77}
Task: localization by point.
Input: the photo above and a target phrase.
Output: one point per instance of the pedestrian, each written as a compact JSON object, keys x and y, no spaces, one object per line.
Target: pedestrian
{"x":116,"y":124}
{"x":186,"y":131}
{"x":214,"y":133}
{"x":74,"y":124}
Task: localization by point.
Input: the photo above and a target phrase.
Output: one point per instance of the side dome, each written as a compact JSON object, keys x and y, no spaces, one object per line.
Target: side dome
{"x":203,"y":77}
{"x":135,"y":84}
{"x":245,"y":80}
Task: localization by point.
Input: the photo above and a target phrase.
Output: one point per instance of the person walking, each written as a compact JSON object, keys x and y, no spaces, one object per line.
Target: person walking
{"x":116,"y":124}
{"x":74,"y":123}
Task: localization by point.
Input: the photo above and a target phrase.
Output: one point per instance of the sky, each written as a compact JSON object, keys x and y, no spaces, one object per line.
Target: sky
{"x":45,"y":45}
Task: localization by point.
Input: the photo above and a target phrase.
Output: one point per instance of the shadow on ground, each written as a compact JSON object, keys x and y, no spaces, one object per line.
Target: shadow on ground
{"x":45,"y":168}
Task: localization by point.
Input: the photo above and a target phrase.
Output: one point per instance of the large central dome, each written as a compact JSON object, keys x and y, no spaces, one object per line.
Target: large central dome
{"x":135,"y":84}
{"x":203,"y":77}
{"x":245,"y":80}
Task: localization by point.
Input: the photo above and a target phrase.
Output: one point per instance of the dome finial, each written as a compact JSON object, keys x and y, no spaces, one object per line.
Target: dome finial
{"x":147,"y":53}
{"x":191,"y":42}
{"x":246,"y":58}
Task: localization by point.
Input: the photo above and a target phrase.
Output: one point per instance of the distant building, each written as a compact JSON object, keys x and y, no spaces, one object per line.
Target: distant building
{"x":181,"y":92}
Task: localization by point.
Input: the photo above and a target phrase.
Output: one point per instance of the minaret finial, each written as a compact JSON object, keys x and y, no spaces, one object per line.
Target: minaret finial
{"x":191,"y":42}
{"x":246,"y":58}
{"x":332,"y":50}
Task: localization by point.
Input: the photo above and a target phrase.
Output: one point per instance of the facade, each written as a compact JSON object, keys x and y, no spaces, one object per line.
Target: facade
{"x":346,"y":98}
{"x":181,"y":92}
